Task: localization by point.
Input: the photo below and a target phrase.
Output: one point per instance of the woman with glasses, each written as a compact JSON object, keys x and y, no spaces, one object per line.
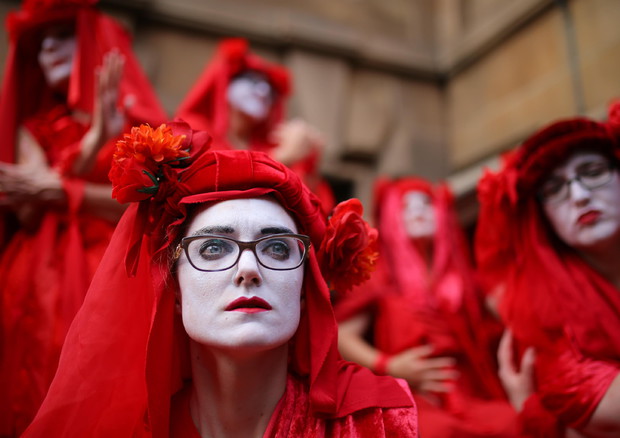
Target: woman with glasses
{"x":548,"y":244}
{"x":210,"y":314}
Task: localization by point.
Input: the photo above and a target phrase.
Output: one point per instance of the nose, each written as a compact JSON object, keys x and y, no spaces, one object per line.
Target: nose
{"x":578,"y":193}
{"x":248,"y":270}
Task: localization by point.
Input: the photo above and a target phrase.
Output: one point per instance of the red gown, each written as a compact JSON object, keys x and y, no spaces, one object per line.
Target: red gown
{"x":553,"y":300}
{"x":293,"y":418}
{"x":45,"y":273}
{"x":409,"y":309}
{"x":45,"y":270}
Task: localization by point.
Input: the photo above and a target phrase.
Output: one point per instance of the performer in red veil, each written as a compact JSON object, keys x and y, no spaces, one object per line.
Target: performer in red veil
{"x":71,"y":83}
{"x":549,"y":241}
{"x":240,"y":100}
{"x":210,"y":313}
{"x":421,"y":318}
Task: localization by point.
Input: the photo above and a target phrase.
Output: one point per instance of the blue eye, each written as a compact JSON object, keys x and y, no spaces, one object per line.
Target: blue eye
{"x":212,"y":249}
{"x":277,"y":249}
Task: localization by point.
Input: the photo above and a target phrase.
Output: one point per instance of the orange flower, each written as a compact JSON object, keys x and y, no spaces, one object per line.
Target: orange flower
{"x":144,"y":142}
{"x":138,"y":164}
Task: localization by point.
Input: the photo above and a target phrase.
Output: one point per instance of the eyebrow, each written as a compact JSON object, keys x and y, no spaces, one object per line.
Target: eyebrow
{"x":214,"y":230}
{"x":231,"y":230}
{"x":276,"y":230}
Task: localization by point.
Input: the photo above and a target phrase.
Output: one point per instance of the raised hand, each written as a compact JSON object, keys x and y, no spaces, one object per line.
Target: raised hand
{"x":295,"y":139}
{"x":108,"y":117}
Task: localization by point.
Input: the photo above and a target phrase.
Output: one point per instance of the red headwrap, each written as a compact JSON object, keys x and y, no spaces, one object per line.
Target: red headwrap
{"x":206,"y":105}
{"x":125,"y":354}
{"x":550,"y":292}
{"x":24,"y":90}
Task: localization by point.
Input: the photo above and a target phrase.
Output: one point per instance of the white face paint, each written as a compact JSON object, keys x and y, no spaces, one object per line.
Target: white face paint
{"x":252,"y":95}
{"x":419,"y":215}
{"x":57,"y":54}
{"x":214,"y":305}
{"x":586,"y":218}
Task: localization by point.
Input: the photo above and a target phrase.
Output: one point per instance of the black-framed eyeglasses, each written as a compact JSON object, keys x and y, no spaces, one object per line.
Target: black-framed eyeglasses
{"x":591,"y":175}
{"x":212,"y":253}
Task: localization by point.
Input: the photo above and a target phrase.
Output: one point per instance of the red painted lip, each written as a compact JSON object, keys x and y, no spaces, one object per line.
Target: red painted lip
{"x":589,"y":217}
{"x":248,"y":305}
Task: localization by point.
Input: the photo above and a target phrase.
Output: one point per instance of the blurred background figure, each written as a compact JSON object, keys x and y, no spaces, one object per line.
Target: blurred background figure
{"x":421,"y":317}
{"x":548,"y":245}
{"x":240,"y":100}
{"x":70,"y":86}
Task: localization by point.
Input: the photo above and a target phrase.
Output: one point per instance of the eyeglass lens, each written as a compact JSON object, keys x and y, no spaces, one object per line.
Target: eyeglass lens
{"x":211,"y":253}
{"x":590,"y":175}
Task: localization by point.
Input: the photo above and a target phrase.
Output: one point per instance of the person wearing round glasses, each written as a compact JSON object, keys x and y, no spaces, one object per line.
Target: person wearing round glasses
{"x":210,"y":314}
{"x":548,"y":244}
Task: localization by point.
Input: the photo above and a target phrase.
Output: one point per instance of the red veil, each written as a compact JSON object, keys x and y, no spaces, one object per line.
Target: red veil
{"x":552,"y":300}
{"x":125,"y":354}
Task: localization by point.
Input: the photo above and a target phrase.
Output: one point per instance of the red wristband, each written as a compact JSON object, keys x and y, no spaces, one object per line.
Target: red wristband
{"x":380,"y":365}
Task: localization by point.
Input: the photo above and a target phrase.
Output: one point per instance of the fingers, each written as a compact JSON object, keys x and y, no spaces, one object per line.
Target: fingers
{"x":111,"y":70}
{"x":527,"y":362}
{"x":422,"y":350}
{"x":504,"y":352}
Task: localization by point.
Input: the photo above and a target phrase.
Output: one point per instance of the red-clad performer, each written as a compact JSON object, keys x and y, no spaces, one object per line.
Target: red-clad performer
{"x":210,"y":314}
{"x":240,"y":100}
{"x":71,"y":84}
{"x":549,"y":241}
{"x":421,"y":318}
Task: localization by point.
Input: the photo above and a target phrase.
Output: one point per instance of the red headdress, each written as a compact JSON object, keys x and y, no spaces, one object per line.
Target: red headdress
{"x":24,"y":91}
{"x":550,"y":292}
{"x":125,"y":354}
{"x":206,"y":105}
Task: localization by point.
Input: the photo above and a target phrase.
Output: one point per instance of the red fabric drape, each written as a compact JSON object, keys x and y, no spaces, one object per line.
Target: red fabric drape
{"x":412,"y":304}
{"x":552,"y":299}
{"x":45,"y":270}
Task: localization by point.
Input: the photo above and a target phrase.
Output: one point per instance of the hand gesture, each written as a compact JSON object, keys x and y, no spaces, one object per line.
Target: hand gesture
{"x":295,"y":140}
{"x":108,"y":118}
{"x":518,"y":382}
{"x":423,"y":373}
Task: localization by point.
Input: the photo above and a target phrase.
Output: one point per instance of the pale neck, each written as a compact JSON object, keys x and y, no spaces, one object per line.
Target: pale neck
{"x":235,"y":395}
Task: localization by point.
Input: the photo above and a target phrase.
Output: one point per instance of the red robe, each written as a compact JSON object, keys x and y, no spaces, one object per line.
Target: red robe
{"x":411,"y":307}
{"x":45,"y":273}
{"x":552,"y":300}
{"x":293,"y":418}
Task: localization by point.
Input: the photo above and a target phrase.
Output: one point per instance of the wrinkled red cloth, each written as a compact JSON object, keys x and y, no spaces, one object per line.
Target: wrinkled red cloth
{"x":410,"y":307}
{"x":45,"y":272}
{"x":126,"y":352}
{"x":553,"y":300}
{"x":206,"y":108}
{"x":293,"y":418}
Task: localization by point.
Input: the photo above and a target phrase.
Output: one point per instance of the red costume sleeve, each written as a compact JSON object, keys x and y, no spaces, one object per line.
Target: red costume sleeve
{"x":572,"y":385}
